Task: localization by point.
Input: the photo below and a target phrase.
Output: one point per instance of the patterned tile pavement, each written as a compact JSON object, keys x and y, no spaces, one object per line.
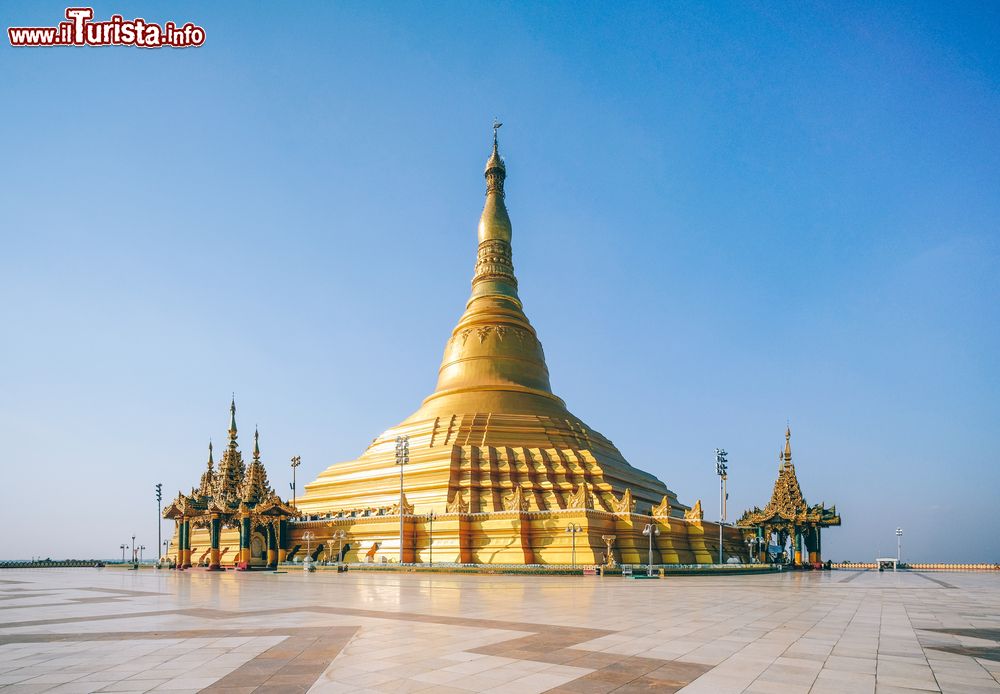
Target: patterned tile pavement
{"x":108,"y":630}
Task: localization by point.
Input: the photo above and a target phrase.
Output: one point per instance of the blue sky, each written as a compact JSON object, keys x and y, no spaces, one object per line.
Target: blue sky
{"x":726,"y":217}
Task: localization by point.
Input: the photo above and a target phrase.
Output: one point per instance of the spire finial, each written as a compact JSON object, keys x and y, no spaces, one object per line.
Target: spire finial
{"x":496,"y":171}
{"x":232,"y":420}
{"x":256,"y":447}
{"x":210,"y":461}
{"x":788,"y":443}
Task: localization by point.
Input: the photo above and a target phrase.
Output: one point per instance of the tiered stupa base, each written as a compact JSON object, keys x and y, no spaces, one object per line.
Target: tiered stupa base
{"x":509,"y":537}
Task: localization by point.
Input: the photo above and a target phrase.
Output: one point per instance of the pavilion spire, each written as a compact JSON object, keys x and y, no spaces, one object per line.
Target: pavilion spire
{"x":208,"y":477}
{"x":231,"y":468}
{"x":788,"y":445}
{"x":232,"y":421}
{"x":254,"y":487}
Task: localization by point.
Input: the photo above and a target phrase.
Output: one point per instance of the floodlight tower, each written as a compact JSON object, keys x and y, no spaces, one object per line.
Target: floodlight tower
{"x":721,"y":469}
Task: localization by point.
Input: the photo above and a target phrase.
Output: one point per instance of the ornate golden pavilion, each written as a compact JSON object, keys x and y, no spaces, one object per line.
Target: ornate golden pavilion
{"x":788,"y":516}
{"x":498,"y":466}
{"x":234,"y":508}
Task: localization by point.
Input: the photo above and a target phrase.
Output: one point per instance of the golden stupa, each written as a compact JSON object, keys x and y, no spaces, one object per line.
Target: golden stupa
{"x":498,"y":467}
{"x":497,"y":470}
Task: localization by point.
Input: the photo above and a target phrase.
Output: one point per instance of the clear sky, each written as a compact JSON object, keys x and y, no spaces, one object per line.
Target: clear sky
{"x":726,"y":217}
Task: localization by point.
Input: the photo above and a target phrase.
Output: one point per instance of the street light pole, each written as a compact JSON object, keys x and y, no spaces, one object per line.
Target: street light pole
{"x":402,"y":458}
{"x":721,"y":470}
{"x":123,"y":552}
{"x":308,"y":536}
{"x":296,"y":461}
{"x":573,"y":529}
{"x":430,"y":539}
{"x":159,"y":514}
{"x":340,"y":535}
{"x":133,"y":549}
{"x":650,"y":530}
{"x":899,"y":543}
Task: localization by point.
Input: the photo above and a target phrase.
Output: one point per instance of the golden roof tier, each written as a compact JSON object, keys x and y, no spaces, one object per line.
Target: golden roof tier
{"x":492,"y":435}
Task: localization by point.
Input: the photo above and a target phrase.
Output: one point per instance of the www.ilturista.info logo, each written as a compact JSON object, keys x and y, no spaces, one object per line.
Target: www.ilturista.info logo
{"x":81,"y":31}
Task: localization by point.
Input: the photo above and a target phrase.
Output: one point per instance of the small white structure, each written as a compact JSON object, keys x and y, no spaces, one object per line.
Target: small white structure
{"x":885,"y":561}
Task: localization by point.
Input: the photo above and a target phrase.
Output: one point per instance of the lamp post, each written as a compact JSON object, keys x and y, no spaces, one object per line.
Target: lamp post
{"x":573,"y":529}
{"x":159,"y":513}
{"x":308,"y":536}
{"x":339,"y":536}
{"x":430,"y":539}
{"x":899,"y":543}
{"x":141,"y":547}
{"x":165,"y":543}
{"x":296,"y":461}
{"x":133,"y":549}
{"x":123,"y":552}
{"x":402,"y":458}
{"x":721,"y":470}
{"x":650,"y":531}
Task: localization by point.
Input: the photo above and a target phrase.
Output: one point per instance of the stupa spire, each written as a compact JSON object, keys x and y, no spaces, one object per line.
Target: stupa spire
{"x":494,"y":349}
{"x":494,"y":274}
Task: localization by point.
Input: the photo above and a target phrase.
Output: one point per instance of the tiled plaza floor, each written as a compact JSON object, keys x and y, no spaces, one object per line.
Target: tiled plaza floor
{"x":86,"y":630}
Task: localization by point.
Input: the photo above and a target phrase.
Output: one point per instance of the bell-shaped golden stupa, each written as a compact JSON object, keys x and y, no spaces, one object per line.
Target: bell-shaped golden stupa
{"x":492,"y":424}
{"x":493,"y":453}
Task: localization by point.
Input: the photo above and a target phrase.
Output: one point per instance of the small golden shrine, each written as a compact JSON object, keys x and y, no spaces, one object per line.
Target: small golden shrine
{"x":788,"y":516}
{"x":235,"y":508}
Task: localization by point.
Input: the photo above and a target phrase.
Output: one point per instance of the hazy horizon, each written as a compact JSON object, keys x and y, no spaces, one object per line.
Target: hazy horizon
{"x":726,"y":218}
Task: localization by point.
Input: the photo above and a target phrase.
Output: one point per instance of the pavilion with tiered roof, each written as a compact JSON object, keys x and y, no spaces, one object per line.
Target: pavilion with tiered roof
{"x":788,"y":516}
{"x":237,"y":497}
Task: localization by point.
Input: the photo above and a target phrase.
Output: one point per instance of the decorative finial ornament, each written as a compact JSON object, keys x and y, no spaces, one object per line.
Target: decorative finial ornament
{"x":496,"y":170}
{"x":256,"y":447}
{"x":788,"y":444}
{"x":210,"y":461}
{"x":232,"y":420}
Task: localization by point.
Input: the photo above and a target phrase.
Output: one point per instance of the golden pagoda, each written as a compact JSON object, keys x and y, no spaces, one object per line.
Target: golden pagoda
{"x":787,"y":516}
{"x":498,"y":466}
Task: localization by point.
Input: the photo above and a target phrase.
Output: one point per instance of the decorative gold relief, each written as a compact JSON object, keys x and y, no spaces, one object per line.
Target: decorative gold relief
{"x":582,"y":497}
{"x":407,"y":508}
{"x":695,"y":512}
{"x":662,"y":509}
{"x":515,"y":501}
{"x":457,"y":505}
{"x":624,"y":505}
